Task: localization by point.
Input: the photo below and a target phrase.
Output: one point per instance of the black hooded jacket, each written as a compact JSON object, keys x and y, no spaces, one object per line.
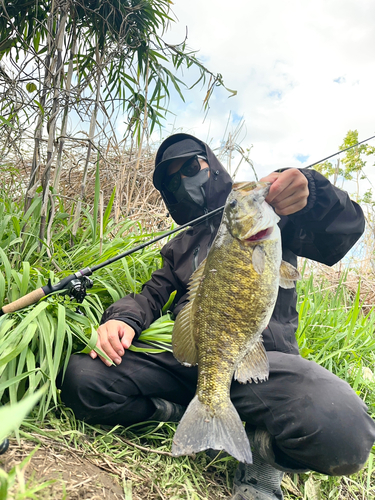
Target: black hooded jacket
{"x":323,"y":231}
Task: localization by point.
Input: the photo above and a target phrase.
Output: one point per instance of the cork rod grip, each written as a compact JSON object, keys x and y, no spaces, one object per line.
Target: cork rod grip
{"x":27,"y":300}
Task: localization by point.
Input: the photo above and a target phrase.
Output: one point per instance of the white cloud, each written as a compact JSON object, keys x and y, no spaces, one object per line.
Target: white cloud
{"x":283,"y":59}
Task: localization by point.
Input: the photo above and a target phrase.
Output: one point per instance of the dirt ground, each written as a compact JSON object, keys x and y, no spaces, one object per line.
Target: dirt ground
{"x":71,"y":475}
{"x":75,"y":474}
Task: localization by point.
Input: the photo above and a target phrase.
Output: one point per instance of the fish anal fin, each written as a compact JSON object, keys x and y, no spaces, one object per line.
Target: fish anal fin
{"x":183,"y":342}
{"x":200,"y":430}
{"x":259,"y":259}
{"x":253,"y":366}
{"x":288,"y":275}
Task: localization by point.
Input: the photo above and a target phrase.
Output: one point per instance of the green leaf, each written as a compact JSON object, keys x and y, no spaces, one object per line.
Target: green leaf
{"x":12,"y":416}
{"x":31,"y":87}
{"x":16,"y":226}
{"x":27,"y":335}
{"x":7,"y":266}
{"x":39,"y":106}
{"x":25,"y":278}
{"x":15,"y":380}
{"x":108,"y":210}
{"x":7,"y":122}
{"x":169,"y":303}
{"x":91,"y":343}
{"x":131,"y":281}
{"x":2,"y":289}
{"x":59,"y":340}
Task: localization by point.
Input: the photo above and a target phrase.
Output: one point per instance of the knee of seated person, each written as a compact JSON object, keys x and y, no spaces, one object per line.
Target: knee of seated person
{"x":345,"y":469}
{"x":351,"y":459}
{"x":346,"y":460}
{"x":334,"y":450}
{"x":329,"y":460}
{"x":350,"y":450}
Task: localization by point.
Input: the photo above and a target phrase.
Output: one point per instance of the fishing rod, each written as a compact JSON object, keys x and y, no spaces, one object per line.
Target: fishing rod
{"x":341,"y":151}
{"x":77,"y":284}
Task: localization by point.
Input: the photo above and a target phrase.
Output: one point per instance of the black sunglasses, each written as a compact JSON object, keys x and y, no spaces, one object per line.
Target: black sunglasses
{"x":190,"y":168}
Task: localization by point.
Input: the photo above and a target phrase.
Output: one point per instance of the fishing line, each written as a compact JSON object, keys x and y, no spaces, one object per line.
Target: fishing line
{"x":338,"y":152}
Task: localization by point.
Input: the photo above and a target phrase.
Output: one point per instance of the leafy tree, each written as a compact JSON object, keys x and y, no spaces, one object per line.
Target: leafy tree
{"x":88,"y":63}
{"x":351,"y":166}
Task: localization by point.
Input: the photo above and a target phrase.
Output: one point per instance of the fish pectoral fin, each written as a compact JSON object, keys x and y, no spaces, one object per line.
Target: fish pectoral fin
{"x":253,"y":366}
{"x":183,"y":342}
{"x":259,"y":259}
{"x":200,"y":429}
{"x":288,"y":275}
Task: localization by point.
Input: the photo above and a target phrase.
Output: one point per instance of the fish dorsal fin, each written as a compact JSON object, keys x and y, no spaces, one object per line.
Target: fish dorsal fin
{"x":259,"y":259}
{"x":183,"y":342}
{"x":253,"y":366}
{"x":288,"y":275}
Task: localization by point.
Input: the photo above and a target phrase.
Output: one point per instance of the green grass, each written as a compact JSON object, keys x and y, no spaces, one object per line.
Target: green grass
{"x":36,"y":343}
{"x":336,"y":333}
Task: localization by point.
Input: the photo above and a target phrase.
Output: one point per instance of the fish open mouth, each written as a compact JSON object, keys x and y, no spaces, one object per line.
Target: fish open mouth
{"x":261,"y":235}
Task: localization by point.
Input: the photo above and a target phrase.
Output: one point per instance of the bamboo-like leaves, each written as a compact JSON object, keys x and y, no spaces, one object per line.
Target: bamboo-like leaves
{"x":11,"y":416}
{"x":158,"y":335}
{"x":37,"y":342}
{"x":76,"y":51}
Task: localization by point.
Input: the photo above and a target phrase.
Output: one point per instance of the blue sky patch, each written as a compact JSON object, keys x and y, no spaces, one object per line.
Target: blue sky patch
{"x":302,"y":158}
{"x":340,"y":79}
{"x":235,"y":117}
{"x":275,"y":94}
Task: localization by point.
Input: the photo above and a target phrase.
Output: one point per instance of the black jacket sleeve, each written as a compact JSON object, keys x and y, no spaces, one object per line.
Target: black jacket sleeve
{"x":140,"y":310}
{"x":327,"y":228}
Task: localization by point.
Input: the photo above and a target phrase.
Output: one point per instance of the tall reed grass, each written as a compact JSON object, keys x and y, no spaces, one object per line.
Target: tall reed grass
{"x":35,"y":343}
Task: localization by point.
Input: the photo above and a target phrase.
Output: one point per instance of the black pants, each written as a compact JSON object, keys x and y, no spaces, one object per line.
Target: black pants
{"x":316,"y":419}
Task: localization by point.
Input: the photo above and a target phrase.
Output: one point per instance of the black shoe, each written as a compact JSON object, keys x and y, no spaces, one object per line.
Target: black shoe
{"x":262,"y":479}
{"x":4,"y":446}
{"x":259,"y":480}
{"x":166,"y":411}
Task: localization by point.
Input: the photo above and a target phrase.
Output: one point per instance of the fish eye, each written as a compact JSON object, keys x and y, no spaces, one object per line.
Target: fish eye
{"x":233,"y":204}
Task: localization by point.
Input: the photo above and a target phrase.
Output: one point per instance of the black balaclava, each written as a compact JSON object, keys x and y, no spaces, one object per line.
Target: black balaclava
{"x":215,"y":189}
{"x":192,"y":188}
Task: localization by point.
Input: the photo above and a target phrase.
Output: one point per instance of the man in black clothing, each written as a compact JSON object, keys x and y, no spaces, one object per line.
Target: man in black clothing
{"x":303,"y":417}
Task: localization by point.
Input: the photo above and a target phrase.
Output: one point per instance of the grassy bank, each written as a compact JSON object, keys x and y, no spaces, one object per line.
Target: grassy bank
{"x":55,"y":456}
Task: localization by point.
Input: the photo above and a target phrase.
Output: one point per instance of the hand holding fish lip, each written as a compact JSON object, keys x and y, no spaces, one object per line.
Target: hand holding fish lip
{"x":289,"y":191}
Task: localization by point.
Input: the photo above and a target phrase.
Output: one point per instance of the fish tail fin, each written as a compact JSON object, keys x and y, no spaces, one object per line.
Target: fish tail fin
{"x":199,"y":430}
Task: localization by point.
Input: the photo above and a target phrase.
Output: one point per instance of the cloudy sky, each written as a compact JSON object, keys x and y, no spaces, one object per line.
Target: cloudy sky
{"x":304,"y":72}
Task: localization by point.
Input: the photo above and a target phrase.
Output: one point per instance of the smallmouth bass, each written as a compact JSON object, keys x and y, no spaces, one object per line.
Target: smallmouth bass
{"x":231,"y":299}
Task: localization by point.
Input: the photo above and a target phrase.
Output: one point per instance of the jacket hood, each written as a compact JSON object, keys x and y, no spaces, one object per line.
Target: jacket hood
{"x":217,"y":188}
